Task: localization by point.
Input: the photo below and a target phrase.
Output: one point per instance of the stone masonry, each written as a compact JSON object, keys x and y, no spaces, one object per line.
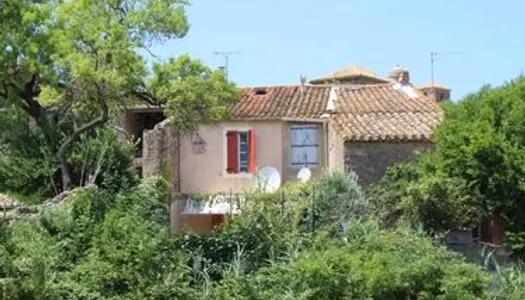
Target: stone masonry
{"x":161,"y":158}
{"x":371,"y":160}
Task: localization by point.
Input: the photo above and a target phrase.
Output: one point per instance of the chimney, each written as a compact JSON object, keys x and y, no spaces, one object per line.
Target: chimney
{"x":399,"y":75}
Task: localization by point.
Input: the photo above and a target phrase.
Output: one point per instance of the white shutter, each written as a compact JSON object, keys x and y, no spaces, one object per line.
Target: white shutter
{"x":306,"y":137}
{"x":296,"y":137}
{"x":297,"y":155}
{"x":311,"y":155}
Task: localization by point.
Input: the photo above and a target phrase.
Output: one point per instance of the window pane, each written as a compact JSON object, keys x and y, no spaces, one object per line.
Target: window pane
{"x":243,"y":152}
{"x":311,"y":154}
{"x":243,"y":157}
{"x":311,"y":136}
{"x":304,"y":135}
{"x":243,"y":168}
{"x":297,"y":154}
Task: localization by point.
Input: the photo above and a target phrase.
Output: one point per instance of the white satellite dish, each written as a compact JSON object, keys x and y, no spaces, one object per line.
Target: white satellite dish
{"x":268,"y":179}
{"x":304,"y":175}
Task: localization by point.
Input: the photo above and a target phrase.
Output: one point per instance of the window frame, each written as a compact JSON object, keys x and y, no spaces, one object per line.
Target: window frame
{"x":316,"y":146}
{"x":242,"y":129}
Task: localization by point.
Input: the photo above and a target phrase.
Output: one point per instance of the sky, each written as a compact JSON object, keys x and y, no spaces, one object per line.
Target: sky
{"x":278,"y":41}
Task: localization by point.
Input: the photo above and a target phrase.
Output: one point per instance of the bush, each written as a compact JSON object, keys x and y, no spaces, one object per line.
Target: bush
{"x":378,"y":265}
{"x":104,"y":159}
{"x":268,"y":228}
{"x":337,"y":198}
{"x":410,"y":193}
{"x":509,"y":283}
{"x":477,"y":170}
{"x":100,"y":246}
{"x":96,"y":245}
{"x":27,"y":163}
{"x":274,"y":226}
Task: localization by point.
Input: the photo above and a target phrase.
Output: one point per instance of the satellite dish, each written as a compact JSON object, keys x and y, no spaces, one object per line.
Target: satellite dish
{"x":268,"y":179}
{"x":304,"y":175}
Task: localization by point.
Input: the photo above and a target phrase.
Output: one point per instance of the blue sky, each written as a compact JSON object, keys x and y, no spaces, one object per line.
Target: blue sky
{"x":280,"y":40}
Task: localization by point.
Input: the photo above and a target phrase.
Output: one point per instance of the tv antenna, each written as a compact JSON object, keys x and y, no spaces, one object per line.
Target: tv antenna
{"x":434,"y":56}
{"x":226,"y":55}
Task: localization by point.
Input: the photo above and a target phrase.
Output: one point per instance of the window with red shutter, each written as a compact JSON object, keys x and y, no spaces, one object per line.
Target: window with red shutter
{"x":240,"y":156}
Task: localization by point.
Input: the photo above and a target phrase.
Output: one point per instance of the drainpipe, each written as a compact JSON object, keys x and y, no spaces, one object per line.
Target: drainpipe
{"x":327,"y":145}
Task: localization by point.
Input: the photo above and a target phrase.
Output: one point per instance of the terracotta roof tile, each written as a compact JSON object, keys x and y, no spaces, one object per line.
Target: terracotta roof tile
{"x":282,"y":102}
{"x":382,"y":113}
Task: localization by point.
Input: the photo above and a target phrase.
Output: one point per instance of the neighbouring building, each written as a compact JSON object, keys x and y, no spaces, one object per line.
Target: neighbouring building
{"x":353,"y":74}
{"x":362,"y":123}
{"x":436,"y":91}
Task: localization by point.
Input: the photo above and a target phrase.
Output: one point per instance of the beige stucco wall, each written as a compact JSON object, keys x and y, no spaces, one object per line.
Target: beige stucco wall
{"x":205,"y":172}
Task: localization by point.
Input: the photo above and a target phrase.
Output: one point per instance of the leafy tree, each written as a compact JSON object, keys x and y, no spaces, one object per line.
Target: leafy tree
{"x":79,"y":60}
{"x":477,"y":170}
{"x":28,"y":165}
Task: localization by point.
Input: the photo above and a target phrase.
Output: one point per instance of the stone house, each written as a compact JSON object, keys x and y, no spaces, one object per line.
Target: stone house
{"x":364,"y":127}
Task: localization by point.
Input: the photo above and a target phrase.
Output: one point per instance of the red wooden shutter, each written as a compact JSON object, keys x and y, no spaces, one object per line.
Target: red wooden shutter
{"x":232,"y":155}
{"x":251,"y":151}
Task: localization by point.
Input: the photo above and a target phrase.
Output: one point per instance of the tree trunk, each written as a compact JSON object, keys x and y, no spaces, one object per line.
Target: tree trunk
{"x":64,"y":149}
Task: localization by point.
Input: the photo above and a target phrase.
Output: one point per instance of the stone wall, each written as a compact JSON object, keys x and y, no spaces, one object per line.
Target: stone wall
{"x":161,"y":158}
{"x":370,"y":160}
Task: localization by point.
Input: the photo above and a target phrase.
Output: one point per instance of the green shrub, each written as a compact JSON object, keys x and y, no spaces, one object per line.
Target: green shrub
{"x":337,"y":198}
{"x":267,"y":229}
{"x":27,"y":163}
{"x":107,"y":157}
{"x":420,"y":196}
{"x":377,"y":265}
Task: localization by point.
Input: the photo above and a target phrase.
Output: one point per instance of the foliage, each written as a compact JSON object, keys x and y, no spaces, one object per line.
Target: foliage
{"x":477,"y":170}
{"x":273,"y":226}
{"x":482,"y":142}
{"x":337,"y":198}
{"x":29,"y":168}
{"x":193,"y":93}
{"x":510,"y":282}
{"x":70,"y":76}
{"x":27,"y":165}
{"x":268,"y":228}
{"x":103,"y":158}
{"x":98,"y":245}
{"x":377,"y":265}
{"x":412,"y":193}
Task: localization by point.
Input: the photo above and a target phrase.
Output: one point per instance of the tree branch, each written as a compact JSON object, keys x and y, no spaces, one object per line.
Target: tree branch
{"x":66,"y":145}
{"x":146,"y":97}
{"x":28,"y":92}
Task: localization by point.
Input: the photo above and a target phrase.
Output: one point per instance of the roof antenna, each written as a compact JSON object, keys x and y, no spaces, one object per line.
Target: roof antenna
{"x":226,"y":55}
{"x":434,"y":56}
{"x":303,"y":82}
